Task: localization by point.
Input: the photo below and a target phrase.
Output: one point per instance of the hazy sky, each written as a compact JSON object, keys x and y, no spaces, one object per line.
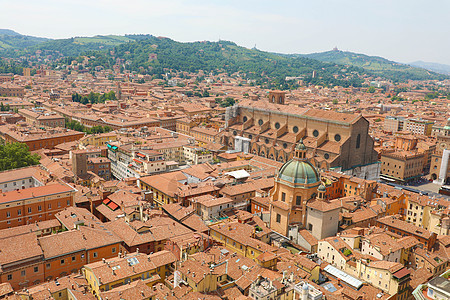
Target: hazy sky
{"x":399,"y":30}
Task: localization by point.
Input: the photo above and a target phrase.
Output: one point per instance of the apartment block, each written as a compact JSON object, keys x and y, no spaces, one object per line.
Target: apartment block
{"x":34,"y":204}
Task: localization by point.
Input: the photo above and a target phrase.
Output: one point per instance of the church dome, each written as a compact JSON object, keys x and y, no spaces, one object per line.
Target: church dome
{"x":299,"y":171}
{"x":447,"y":126}
{"x":322,"y":188}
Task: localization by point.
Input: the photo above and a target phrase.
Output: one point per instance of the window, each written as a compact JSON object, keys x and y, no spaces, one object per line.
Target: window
{"x":278,"y":218}
{"x":63,"y":261}
{"x":36,"y":269}
{"x":283,"y":196}
{"x":358,"y":141}
{"x":47,"y":266}
{"x":260,"y":122}
{"x":9,"y":277}
{"x":19,"y":212}
{"x":22,"y":273}
{"x":113,"y":250}
{"x":8,"y":214}
{"x":95,"y":254}
{"x":337,"y":137}
{"x":277,"y":125}
{"x":315,"y":133}
{"x":39,"y":208}
{"x":74,"y":258}
{"x":49,"y":206}
{"x":298,"y":200}
{"x":295,"y":129}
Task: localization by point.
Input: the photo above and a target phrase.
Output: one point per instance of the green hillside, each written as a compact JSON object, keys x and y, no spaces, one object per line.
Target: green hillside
{"x":222,"y":56}
{"x":138,"y":53}
{"x":10,"y":39}
{"x":110,"y":40}
{"x":13,"y":44}
{"x":377,"y":65}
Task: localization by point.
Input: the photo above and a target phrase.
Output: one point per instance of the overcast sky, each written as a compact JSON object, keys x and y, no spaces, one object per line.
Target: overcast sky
{"x":403,"y":31}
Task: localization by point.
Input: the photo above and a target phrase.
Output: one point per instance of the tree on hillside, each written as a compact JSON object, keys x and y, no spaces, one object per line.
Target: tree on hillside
{"x":16,"y":155}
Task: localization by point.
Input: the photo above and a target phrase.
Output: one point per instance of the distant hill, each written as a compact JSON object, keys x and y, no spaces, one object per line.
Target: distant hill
{"x":8,"y":32}
{"x":435,"y":67}
{"x":375,"y":64}
{"x":12,"y":40}
{"x":65,"y":47}
{"x":154,"y":55}
{"x":332,"y":67}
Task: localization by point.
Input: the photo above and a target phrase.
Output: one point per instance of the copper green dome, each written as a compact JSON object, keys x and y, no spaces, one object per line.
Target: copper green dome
{"x":322,"y":188}
{"x":299,"y":171}
{"x":447,"y":126}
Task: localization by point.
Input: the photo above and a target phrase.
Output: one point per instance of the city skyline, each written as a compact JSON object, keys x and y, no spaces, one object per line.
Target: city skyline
{"x":395,"y":31}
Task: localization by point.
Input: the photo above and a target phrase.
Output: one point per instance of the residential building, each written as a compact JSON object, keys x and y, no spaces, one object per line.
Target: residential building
{"x":115,"y":272}
{"x":391,"y":277}
{"x":402,"y":228}
{"x":130,"y":161}
{"x":209,"y":207}
{"x":393,"y":123}
{"x":34,"y":204}
{"x":240,"y":238}
{"x":40,"y":138}
{"x":88,"y":161}
{"x":196,"y":155}
{"x":266,"y":289}
{"x":23,"y":178}
{"x":402,"y":166}
{"x":41,"y":117}
{"x":418,"y":126}
{"x":11,"y":90}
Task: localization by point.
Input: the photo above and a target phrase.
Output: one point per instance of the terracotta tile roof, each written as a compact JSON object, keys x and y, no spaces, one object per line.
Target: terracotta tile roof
{"x":310,"y":239}
{"x":134,"y":290}
{"x":21,"y":173}
{"x":24,"y":229}
{"x":51,"y":189}
{"x":386,"y":265}
{"x":72,"y":216}
{"x":5,"y":289}
{"x":17,"y":248}
{"x":324,"y":205}
{"x":119,"y":268}
{"x":129,"y":236}
{"x":393,"y":221}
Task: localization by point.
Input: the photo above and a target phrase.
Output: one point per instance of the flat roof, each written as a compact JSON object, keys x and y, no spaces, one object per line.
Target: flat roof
{"x":239,"y":174}
{"x":350,"y":280}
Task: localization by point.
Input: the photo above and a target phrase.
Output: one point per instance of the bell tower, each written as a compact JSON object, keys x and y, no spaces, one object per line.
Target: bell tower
{"x":277,"y":97}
